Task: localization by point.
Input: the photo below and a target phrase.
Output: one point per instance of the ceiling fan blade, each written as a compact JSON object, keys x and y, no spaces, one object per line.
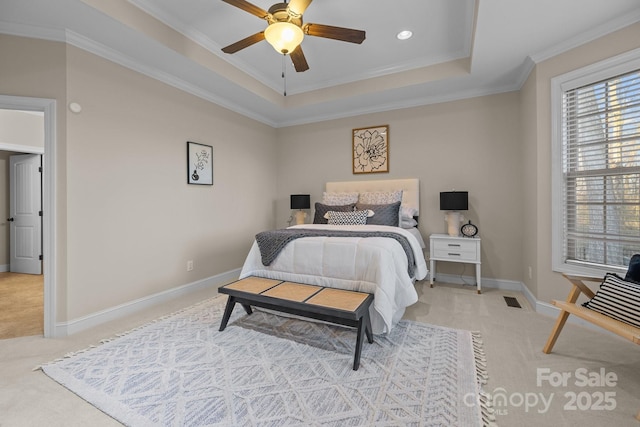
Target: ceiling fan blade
{"x":298,"y":59}
{"x":246,"y":42}
{"x":336,"y":33}
{"x":299,"y":6}
{"x":248,"y":7}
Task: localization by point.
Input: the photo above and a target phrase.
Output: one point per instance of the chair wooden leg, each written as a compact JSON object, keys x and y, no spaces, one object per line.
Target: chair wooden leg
{"x":562,"y":319}
{"x":638,"y":416}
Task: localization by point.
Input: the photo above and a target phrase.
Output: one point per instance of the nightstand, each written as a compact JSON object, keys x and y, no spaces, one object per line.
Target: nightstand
{"x":443,"y":247}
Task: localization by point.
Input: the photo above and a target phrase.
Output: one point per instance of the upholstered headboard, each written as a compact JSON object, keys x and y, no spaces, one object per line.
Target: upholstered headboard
{"x":410,"y":189}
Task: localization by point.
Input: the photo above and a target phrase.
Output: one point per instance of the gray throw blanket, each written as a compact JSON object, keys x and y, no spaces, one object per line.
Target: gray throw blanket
{"x":272,"y":242}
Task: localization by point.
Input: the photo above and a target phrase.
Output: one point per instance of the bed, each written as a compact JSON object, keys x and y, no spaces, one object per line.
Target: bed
{"x":378,"y":264}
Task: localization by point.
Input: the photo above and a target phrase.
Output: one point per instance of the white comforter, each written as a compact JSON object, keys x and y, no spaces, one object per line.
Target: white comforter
{"x":374,"y":265}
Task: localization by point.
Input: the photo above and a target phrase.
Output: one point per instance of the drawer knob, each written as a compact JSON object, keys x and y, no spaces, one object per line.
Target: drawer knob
{"x":455,"y":245}
{"x":453,"y":254}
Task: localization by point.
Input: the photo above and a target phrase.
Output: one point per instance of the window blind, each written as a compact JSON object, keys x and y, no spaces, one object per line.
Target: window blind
{"x":601,"y":171}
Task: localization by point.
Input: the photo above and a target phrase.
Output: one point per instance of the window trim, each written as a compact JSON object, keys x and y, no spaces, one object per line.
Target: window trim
{"x":602,"y":70}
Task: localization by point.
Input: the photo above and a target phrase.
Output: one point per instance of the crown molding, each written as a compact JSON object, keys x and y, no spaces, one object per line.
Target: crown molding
{"x":32,"y":31}
{"x":586,"y":37}
{"x":84,"y":43}
{"x":412,"y":103}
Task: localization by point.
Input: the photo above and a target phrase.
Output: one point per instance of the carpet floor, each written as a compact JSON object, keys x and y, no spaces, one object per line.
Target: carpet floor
{"x":270,"y":370}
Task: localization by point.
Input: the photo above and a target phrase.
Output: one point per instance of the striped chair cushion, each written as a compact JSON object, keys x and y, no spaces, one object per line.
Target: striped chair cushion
{"x":617,"y":298}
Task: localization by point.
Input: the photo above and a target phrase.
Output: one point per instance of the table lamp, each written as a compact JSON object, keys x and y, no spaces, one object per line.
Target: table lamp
{"x":453,"y":202}
{"x":300,"y":202}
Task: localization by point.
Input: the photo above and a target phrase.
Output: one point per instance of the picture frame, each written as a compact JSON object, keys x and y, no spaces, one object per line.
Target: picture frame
{"x":371,"y":149}
{"x":199,"y":164}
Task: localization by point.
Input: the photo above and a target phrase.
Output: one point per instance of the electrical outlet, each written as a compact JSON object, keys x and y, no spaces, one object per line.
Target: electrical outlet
{"x":189,"y":265}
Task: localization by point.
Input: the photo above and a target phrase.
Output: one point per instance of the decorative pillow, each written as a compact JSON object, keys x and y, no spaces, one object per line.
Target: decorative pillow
{"x":370,"y":213}
{"x":633,"y":273}
{"x":383,"y":214}
{"x":339,"y":199}
{"x":347,"y":218}
{"x":322,"y":209}
{"x":380,"y":197}
{"x":407,"y":212}
{"x":618,"y":299}
{"x":408,"y":223}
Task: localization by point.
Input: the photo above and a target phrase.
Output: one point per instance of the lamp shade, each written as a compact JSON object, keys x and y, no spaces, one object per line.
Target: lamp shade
{"x":284,"y":36}
{"x":454,"y":200}
{"x":300,"y":201}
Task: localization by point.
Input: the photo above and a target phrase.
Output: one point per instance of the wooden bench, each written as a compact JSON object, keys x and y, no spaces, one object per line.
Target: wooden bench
{"x":569,"y":306}
{"x":337,"y":306}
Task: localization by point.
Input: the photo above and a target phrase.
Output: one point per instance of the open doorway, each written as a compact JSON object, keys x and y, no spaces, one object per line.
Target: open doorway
{"x":21,"y":278}
{"x":45,"y":109}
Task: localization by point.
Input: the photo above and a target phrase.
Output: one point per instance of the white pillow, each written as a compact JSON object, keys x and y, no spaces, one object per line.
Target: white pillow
{"x":339,"y":199}
{"x":407,"y":212}
{"x":380,"y":197}
{"x":408,"y":223}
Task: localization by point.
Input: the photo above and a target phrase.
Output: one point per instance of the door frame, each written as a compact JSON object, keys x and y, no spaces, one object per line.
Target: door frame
{"x":48,"y":107}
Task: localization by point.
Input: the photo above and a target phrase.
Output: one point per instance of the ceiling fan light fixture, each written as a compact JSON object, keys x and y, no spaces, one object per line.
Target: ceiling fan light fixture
{"x":284,"y":36}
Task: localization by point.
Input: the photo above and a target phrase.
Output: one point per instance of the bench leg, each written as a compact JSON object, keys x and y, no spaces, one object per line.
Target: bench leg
{"x":359,"y":341}
{"x":231,"y":302}
{"x":364,"y":325}
{"x":562,"y":319}
{"x":247,"y":308}
{"x":367,"y":328}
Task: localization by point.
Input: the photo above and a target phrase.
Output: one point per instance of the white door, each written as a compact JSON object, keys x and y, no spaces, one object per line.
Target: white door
{"x":25,"y":214}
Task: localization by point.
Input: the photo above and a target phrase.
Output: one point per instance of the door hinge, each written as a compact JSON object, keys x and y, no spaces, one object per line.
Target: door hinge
{"x":40,"y":257}
{"x":40,"y":169}
{"x":40,"y":213}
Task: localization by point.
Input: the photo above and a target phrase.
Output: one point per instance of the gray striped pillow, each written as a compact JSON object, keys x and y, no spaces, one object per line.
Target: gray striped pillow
{"x":617,"y":298}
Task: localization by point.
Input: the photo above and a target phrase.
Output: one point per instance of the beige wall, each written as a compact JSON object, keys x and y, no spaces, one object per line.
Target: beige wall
{"x":529,"y":190}
{"x":134,"y":222}
{"x":537,"y":247}
{"x":22,"y":128}
{"x":471,"y":145}
{"x":37,"y":68}
{"x":127,"y":220}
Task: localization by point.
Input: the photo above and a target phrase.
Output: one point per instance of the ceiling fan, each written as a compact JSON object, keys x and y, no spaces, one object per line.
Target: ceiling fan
{"x":286,"y":30}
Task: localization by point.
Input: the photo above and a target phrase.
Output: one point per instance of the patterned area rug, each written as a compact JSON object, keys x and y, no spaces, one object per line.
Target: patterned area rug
{"x":269,"y":370}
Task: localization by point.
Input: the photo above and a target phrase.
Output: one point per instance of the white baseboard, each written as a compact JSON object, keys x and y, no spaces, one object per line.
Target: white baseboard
{"x":540,"y":307}
{"x":4,"y":268}
{"x":505,"y":285}
{"x":77,"y":325}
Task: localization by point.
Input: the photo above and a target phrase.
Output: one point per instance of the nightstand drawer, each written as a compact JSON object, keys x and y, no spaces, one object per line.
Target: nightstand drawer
{"x":468,"y":254}
{"x":457,"y":245}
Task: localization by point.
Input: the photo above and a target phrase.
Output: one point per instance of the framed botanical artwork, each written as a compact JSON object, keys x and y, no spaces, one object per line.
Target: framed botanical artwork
{"x":199,"y":164}
{"x":371,"y":149}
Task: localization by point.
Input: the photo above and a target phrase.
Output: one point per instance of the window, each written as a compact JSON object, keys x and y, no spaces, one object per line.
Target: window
{"x":597,"y":181}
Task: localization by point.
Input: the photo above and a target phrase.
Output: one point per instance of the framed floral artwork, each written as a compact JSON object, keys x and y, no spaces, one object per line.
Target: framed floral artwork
{"x":371,"y":149}
{"x":199,"y":164}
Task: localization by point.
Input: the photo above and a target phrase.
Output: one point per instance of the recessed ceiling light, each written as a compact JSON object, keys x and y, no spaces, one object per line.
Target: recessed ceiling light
{"x":403,"y":35}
